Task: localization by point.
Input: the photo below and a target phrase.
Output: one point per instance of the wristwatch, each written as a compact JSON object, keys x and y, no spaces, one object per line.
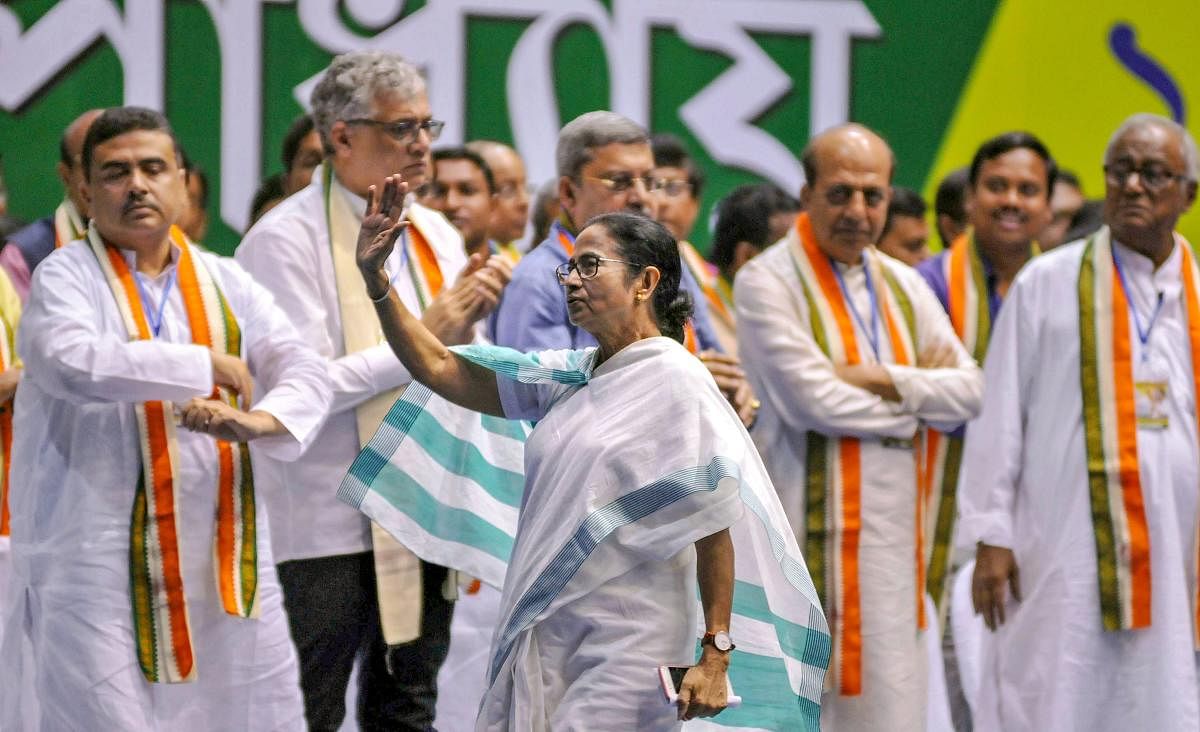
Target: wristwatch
{"x":719,"y":640}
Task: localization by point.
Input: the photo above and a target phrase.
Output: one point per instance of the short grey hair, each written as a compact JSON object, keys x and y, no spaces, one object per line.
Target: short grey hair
{"x":589,"y":131}
{"x":353,"y":81}
{"x":1191,"y":159}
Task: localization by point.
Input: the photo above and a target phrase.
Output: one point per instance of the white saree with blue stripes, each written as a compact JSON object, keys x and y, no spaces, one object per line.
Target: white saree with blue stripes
{"x":588,"y":522}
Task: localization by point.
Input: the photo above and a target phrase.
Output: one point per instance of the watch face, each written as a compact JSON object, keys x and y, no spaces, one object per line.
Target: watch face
{"x":721,"y":641}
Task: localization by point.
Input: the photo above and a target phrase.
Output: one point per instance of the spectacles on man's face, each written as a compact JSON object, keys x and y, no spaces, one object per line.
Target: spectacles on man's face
{"x":673,"y":187}
{"x":1154,"y":176}
{"x":405,"y":130}
{"x":586,"y":265}
{"x":621,"y":182}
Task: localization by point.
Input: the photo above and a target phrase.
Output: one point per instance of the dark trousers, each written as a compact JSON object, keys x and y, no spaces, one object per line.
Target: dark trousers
{"x":334,"y":617}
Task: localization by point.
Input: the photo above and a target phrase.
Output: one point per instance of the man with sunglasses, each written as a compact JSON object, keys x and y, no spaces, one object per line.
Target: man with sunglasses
{"x":1081,"y":470}
{"x":605,"y":164}
{"x":349,"y":589}
{"x":851,"y":353}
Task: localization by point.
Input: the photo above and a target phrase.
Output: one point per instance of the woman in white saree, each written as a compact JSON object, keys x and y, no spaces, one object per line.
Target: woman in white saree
{"x":637,"y":479}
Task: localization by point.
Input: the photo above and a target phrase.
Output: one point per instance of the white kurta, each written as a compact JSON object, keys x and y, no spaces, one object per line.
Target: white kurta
{"x":1024,"y":485}
{"x":288,"y":251}
{"x":77,"y":451}
{"x":800,"y":392}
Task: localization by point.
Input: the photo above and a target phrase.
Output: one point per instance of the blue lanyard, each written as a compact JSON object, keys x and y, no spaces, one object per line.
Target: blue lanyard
{"x":155,"y":318}
{"x":1143,"y":333}
{"x":873,"y":332}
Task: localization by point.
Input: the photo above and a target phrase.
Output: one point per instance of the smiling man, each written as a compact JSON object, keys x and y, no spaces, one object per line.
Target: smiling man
{"x":851,"y":353}
{"x":463,"y":189}
{"x":1081,"y":471}
{"x":1008,"y":203}
{"x":1008,"y":198}
{"x":139,"y":547}
{"x":349,"y":588}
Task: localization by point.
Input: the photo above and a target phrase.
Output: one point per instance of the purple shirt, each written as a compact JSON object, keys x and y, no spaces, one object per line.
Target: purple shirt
{"x":934,"y":272}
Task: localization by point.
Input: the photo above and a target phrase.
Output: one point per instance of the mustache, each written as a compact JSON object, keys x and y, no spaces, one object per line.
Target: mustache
{"x":135,"y":201}
{"x":1009,"y":210}
{"x":851,"y":229}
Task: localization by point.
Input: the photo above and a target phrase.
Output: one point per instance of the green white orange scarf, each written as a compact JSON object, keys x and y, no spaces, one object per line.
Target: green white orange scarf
{"x":833,"y":494}
{"x":1111,"y":431}
{"x":68,"y":224}
{"x":709,"y":281}
{"x":160,"y":613}
{"x":941,"y":454}
{"x":397,"y":570}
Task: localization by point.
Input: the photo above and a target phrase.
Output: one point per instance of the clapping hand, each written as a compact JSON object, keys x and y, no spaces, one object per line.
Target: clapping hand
{"x":452,"y":314}
{"x":377,"y":235}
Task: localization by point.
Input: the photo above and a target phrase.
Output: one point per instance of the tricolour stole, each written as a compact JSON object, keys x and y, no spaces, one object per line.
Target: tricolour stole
{"x":160,"y":614}
{"x":68,"y":224}
{"x":941,"y":454}
{"x":709,"y":281}
{"x":398,"y":579}
{"x":833,"y":492}
{"x":1111,"y":432}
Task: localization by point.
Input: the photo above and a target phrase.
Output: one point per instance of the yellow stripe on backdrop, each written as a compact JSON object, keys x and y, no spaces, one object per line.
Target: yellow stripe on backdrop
{"x":1049,"y":68}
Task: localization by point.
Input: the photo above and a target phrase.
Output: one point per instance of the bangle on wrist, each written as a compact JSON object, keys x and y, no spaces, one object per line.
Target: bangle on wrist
{"x":379,"y":300}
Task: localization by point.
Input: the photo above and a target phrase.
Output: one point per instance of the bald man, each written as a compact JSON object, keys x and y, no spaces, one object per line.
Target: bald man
{"x":510,"y":209}
{"x":29,"y":246}
{"x":851,"y":355}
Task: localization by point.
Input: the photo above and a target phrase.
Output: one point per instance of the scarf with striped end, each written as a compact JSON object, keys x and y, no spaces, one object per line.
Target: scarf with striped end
{"x":833,"y":496}
{"x":68,"y":224}
{"x":8,"y":340}
{"x":941,"y":453}
{"x":562,"y":233}
{"x":709,"y":280}
{"x":160,"y":613}
{"x":449,"y":483}
{"x":1111,"y":431}
{"x":398,"y":578}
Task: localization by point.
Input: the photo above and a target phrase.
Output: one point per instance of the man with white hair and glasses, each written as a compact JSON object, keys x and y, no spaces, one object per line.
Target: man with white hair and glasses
{"x":349,"y":588}
{"x":1082,"y":469}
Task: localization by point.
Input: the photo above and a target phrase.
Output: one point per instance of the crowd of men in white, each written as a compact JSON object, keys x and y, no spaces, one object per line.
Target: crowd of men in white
{"x":989,"y":459}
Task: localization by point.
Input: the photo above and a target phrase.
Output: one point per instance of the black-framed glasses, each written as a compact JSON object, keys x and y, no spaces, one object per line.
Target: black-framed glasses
{"x":621,"y":182}
{"x":405,"y":130}
{"x":587,"y":266}
{"x":1154,"y":176}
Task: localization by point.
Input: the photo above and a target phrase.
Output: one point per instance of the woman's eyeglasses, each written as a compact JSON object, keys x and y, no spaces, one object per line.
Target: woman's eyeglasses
{"x":587,"y":266}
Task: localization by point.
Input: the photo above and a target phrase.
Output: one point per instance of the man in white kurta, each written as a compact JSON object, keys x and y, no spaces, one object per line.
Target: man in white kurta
{"x":1024,"y":487}
{"x":324,"y":547}
{"x":70,"y":637}
{"x":879,"y":401}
